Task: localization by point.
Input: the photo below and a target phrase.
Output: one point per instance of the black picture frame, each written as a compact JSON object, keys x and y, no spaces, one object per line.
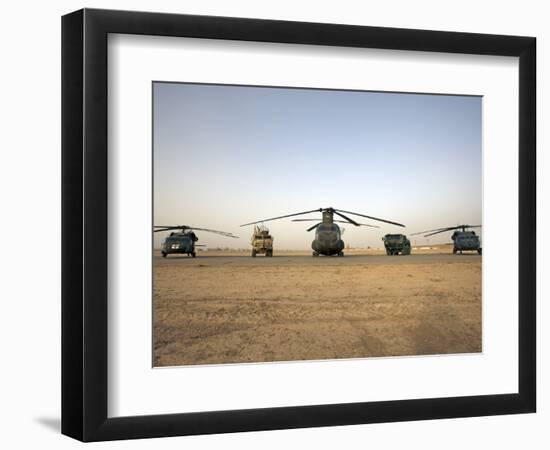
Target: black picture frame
{"x":84,"y":224}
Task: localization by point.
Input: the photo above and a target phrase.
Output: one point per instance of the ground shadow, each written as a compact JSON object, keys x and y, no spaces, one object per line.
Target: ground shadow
{"x":52,"y":423}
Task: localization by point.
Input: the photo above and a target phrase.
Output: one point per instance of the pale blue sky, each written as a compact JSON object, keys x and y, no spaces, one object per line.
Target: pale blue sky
{"x":227,"y":155}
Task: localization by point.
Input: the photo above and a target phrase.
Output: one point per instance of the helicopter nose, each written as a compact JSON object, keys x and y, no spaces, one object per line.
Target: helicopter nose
{"x":328,"y":238}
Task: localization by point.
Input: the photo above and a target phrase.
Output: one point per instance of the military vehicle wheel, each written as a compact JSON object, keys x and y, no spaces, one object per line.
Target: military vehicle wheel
{"x":479,"y":251}
{"x":269,"y":253}
{"x":253,"y":253}
{"x":164,"y":255}
{"x":194,"y":255}
{"x":454,"y":251}
{"x":340,"y":253}
{"x":315,"y":254}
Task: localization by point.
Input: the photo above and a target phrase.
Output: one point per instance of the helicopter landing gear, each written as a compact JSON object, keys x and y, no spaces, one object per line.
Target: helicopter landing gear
{"x":315,"y":254}
{"x":340,"y":253}
{"x":164,"y":255}
{"x":479,"y":251}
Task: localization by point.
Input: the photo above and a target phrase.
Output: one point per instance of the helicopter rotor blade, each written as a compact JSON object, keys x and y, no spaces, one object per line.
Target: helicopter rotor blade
{"x":440,"y":231}
{"x":429,"y":231}
{"x":371,"y":217}
{"x":314,"y":226}
{"x":187,"y":227}
{"x":336,"y":211}
{"x":337,"y":221}
{"x":222,"y":233}
{"x":347,"y":218}
{"x":464,"y":226}
{"x":168,"y":228}
{"x":369,"y":225}
{"x":282,"y":217}
{"x":360,"y":223}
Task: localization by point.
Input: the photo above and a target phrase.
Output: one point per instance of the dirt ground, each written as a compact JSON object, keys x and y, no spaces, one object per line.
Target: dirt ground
{"x":225,"y":308}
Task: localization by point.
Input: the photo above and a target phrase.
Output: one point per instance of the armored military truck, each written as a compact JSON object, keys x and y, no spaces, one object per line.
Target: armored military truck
{"x":396,"y":244}
{"x":262,"y":241}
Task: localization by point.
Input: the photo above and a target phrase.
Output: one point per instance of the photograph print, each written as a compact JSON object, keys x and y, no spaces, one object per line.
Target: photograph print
{"x":300,"y":224}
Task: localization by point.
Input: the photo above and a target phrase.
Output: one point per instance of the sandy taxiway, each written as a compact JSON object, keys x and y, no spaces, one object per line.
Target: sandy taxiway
{"x":226,"y":307}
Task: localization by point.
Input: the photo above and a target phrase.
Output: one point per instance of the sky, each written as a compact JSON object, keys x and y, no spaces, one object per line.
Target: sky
{"x":228,"y":155}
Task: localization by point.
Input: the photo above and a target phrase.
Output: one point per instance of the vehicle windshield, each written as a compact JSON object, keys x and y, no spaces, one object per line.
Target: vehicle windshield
{"x":172,"y":239}
{"x":328,"y":228}
{"x":466,"y":233}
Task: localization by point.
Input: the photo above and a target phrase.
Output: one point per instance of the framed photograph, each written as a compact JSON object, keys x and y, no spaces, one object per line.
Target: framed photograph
{"x":272,"y":224}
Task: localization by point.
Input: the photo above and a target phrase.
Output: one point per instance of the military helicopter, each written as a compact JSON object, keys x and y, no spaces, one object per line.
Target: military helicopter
{"x":183,"y":240}
{"x":328,"y":236}
{"x":463,"y":239}
{"x":342,"y":229}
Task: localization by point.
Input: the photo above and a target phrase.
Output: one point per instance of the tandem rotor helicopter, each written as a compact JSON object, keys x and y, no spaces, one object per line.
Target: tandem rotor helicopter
{"x":463,"y":240}
{"x":183,"y":241}
{"x":328,"y":235}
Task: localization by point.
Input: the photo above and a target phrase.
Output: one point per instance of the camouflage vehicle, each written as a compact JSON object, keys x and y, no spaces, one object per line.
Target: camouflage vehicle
{"x":262,"y":241}
{"x":396,"y":244}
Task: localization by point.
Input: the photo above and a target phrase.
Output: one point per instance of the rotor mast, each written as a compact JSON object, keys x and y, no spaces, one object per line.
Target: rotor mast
{"x":328,"y":216}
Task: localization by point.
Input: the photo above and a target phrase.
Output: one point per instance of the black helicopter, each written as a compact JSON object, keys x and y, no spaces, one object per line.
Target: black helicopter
{"x":183,"y":241}
{"x":328,"y":236}
{"x":463,"y":239}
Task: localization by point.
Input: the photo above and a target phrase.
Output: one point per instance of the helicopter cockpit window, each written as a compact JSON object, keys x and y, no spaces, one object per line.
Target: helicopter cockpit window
{"x":176,"y":238}
{"x":324,"y":228}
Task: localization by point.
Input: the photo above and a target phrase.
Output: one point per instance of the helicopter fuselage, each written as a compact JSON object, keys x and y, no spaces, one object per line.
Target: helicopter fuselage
{"x":328,"y":240}
{"x":466,"y":240}
{"x":182,"y":243}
